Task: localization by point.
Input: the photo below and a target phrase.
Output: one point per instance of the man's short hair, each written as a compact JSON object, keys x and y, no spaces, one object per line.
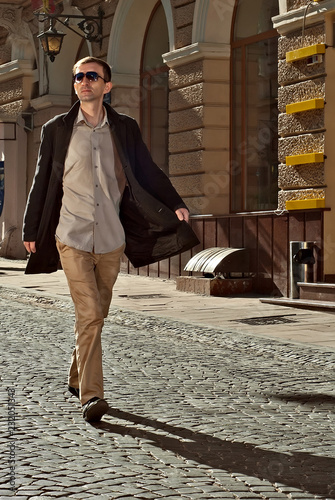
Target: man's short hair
{"x":90,"y":59}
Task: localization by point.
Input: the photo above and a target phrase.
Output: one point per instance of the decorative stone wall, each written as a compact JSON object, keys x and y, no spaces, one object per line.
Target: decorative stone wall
{"x":300,"y":132}
{"x":16,"y":44}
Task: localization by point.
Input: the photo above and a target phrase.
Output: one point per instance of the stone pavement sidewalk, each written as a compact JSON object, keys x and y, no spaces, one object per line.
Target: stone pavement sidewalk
{"x":198,"y":410}
{"x":195,"y":413}
{"x":159,"y":297}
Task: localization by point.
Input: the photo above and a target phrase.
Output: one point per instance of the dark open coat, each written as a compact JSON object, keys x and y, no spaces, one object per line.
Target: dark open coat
{"x":153,"y":231}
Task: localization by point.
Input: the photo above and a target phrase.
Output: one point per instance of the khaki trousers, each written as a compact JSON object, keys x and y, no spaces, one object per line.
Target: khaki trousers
{"x":91,"y":278}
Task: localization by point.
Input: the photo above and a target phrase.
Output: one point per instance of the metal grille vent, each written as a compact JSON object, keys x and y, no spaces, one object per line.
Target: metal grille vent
{"x":220,"y":260}
{"x":266,"y":320}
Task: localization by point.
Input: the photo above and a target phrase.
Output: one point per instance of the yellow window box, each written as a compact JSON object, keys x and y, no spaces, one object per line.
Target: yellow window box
{"x":305,"y":158}
{"x":305,"y":204}
{"x":298,"y":107}
{"x":304,"y":52}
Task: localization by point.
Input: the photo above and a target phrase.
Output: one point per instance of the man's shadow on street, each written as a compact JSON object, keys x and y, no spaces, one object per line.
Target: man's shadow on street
{"x":310,"y":473}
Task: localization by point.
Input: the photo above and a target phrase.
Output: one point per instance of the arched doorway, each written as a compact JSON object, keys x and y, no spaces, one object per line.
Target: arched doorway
{"x":125,"y":50}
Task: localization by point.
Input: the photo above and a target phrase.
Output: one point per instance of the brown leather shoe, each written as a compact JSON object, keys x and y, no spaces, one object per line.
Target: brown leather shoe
{"x":94,"y":409}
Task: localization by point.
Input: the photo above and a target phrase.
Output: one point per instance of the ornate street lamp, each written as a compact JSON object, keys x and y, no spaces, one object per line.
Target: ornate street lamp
{"x":51,"y":40}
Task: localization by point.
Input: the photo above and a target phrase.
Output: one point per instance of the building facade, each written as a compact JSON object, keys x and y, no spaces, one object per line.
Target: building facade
{"x":235,"y":100}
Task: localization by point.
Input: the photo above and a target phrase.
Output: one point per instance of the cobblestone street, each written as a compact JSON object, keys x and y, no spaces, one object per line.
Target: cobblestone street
{"x":195,"y":413}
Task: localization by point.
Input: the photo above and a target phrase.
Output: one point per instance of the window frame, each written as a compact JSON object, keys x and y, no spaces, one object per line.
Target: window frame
{"x":242,"y":44}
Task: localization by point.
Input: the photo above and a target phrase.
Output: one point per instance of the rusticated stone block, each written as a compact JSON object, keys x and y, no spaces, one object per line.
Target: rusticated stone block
{"x":301,"y":144}
{"x":196,"y":95}
{"x":186,"y":163}
{"x":186,"y":141}
{"x":183,"y":37}
{"x":188,"y":74}
{"x":198,"y":139}
{"x":184,"y":15}
{"x":199,"y":161}
{"x":189,"y":185}
{"x":295,"y":40}
{"x":200,"y":116}
{"x":301,"y":194}
{"x":298,"y":92}
{"x":11,"y":90}
{"x":13,"y":109}
{"x":188,"y":97}
{"x":214,"y":286}
{"x":209,"y":70}
{"x":209,"y":184}
{"x":298,"y":71}
{"x":186,"y":119}
{"x":300,"y":123}
{"x":301,"y":176}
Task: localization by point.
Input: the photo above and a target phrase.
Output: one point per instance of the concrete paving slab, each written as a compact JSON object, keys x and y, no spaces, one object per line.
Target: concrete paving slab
{"x":159,"y":297}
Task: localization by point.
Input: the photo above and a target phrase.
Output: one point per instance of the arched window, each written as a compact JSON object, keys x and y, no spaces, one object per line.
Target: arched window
{"x":254,"y":135}
{"x":154,"y":87}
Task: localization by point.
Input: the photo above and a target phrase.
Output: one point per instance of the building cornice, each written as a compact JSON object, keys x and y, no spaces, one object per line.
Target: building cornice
{"x":293,"y":20}
{"x":17,"y":69}
{"x":196,"y":51}
{"x":49,"y":101}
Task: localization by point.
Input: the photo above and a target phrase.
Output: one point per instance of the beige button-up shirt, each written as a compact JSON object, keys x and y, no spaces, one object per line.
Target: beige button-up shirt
{"x":93,"y":183}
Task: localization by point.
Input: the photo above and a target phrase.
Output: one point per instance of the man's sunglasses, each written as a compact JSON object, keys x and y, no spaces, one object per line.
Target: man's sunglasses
{"x":92,"y":76}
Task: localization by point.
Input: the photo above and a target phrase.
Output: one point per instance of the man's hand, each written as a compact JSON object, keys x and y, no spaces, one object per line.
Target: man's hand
{"x":183,"y":214}
{"x":30,"y":246}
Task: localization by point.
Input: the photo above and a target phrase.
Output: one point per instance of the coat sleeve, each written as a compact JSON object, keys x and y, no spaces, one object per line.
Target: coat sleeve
{"x":150,"y":176}
{"x":39,"y":188}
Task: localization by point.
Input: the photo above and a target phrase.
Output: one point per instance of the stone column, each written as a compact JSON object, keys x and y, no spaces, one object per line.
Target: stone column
{"x":14,"y":154}
{"x":199,"y":125}
{"x":300,"y":132}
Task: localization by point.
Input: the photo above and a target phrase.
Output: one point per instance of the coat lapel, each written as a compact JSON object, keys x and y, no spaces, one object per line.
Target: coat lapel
{"x":63,"y":135}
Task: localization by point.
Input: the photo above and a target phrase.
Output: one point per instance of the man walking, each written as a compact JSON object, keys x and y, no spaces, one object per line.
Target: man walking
{"x":97,"y":193}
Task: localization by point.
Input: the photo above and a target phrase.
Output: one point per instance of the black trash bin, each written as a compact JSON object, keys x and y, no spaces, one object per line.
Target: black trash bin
{"x":302,"y":261}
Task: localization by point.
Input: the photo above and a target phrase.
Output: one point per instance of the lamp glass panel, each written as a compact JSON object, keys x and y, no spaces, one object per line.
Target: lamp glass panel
{"x":55,"y":43}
